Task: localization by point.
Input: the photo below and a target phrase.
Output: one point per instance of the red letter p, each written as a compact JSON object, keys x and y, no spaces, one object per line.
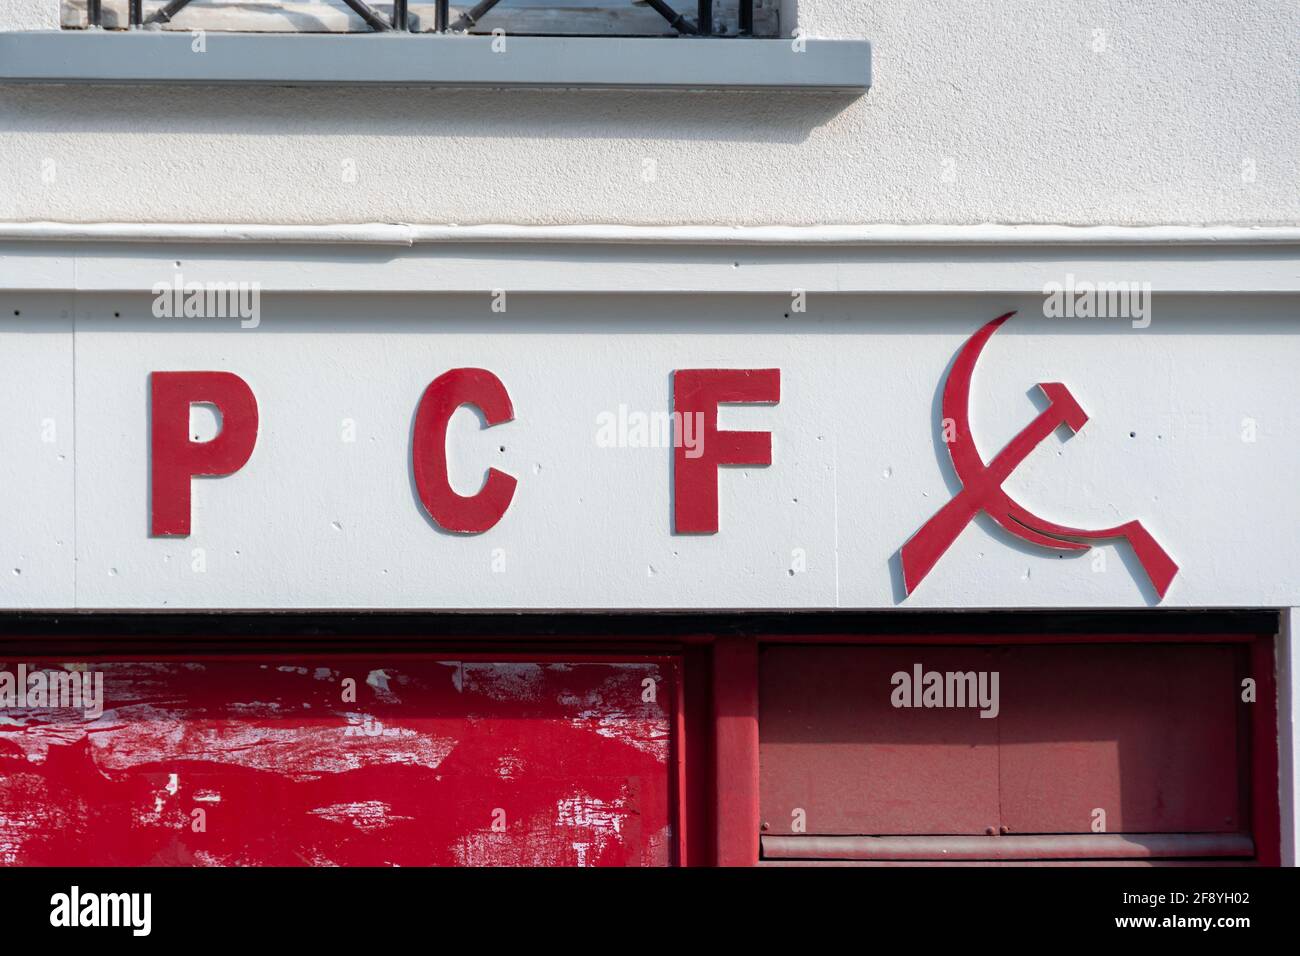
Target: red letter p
{"x":176,"y":458}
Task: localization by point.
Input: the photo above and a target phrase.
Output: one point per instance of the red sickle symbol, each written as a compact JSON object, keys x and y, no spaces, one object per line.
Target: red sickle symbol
{"x":982,"y":484}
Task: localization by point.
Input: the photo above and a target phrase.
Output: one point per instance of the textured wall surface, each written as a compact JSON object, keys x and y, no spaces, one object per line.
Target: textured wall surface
{"x":29,"y":15}
{"x":1067,"y":111}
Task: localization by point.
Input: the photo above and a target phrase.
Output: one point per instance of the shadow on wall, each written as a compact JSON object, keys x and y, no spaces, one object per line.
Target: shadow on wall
{"x":735,"y":117}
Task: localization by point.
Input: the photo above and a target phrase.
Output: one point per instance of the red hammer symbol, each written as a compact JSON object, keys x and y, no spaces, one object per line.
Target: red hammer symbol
{"x":982,"y":484}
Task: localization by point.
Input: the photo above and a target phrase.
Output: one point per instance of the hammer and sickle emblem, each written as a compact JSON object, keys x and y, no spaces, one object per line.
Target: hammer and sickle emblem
{"x":982,"y":483}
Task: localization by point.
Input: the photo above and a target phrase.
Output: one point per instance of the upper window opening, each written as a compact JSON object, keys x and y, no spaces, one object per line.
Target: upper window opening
{"x":724,"y":18}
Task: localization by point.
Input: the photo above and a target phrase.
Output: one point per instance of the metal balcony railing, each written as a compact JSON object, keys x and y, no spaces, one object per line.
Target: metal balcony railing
{"x":399,"y":19}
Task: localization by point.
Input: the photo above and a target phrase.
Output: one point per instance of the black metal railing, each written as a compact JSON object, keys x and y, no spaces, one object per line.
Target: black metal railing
{"x":400,"y":21}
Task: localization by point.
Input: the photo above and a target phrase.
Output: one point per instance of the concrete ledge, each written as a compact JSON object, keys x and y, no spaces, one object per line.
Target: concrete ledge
{"x":402,"y":259}
{"x":526,"y":62}
{"x":411,"y":234}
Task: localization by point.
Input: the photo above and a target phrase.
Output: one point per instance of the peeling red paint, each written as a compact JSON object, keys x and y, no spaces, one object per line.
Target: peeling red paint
{"x":436,"y":762}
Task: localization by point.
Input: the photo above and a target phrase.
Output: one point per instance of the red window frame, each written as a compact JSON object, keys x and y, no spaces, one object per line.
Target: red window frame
{"x":736,"y":705}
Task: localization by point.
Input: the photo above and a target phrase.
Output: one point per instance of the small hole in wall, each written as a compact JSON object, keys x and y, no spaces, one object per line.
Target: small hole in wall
{"x":1132,"y":434}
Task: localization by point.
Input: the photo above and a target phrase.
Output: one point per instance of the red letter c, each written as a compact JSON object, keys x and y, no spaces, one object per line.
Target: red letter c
{"x":472,"y":514}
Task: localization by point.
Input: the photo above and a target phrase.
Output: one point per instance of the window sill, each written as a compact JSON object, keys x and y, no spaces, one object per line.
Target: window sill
{"x":1017,"y":848}
{"x":527,"y":62}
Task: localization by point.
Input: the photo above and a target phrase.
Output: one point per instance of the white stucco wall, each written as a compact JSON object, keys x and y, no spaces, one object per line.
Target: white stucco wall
{"x":981,"y":112}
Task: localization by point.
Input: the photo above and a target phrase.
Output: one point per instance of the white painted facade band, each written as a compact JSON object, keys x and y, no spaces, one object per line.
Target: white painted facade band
{"x":1189,"y":421}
